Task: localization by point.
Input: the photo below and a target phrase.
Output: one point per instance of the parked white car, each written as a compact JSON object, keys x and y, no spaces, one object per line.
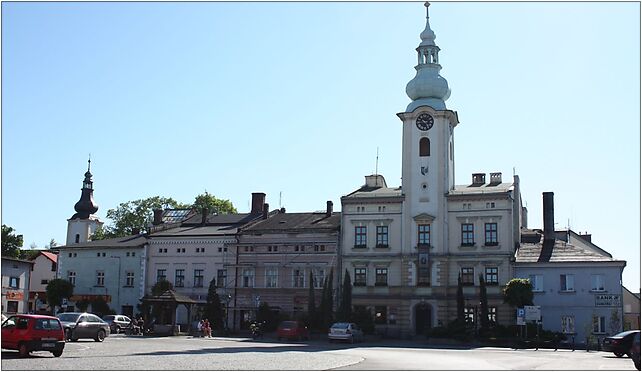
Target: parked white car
{"x":345,"y":332}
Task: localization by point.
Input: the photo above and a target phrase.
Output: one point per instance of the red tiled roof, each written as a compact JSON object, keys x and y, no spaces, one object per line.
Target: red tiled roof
{"x":52,"y":256}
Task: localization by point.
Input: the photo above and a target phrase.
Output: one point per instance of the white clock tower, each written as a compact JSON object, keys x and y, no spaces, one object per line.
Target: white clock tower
{"x":427,"y":163}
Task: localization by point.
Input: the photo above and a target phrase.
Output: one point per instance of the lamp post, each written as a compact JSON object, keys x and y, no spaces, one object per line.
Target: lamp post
{"x":118,"y":282}
{"x":228,"y":298}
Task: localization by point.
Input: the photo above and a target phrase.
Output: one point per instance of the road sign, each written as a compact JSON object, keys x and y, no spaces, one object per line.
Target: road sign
{"x":64,"y":302}
{"x":520,"y":316}
{"x":532,"y":313}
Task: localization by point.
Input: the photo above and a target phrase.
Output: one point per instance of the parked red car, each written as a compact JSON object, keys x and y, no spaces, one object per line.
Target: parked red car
{"x":292,"y":329}
{"x":27,"y":333}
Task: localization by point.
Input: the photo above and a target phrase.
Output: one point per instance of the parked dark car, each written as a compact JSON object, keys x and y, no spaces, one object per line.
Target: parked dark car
{"x":27,"y":333}
{"x":620,"y":344}
{"x":635,"y":351}
{"x":83,"y":325}
{"x":292,"y":329}
{"x":117,"y":323}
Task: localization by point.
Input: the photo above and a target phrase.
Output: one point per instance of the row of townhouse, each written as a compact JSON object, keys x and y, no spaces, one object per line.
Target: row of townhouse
{"x":405,"y":248}
{"x":24,"y":282}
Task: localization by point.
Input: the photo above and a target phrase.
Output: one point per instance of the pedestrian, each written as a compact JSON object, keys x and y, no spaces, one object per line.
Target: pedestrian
{"x":207,"y":329}
{"x":200,"y":328}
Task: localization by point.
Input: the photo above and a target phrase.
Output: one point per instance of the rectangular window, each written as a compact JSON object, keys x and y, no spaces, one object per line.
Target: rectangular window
{"x":469,"y":314}
{"x":359,"y":276}
{"x":492,"y":315}
{"x":54,"y":266}
{"x":12,"y":307}
{"x":318,"y":278}
{"x":71,"y":277}
{"x":360,"y":234}
{"x":599,"y":324}
{"x":537,"y":281}
{"x":381,"y":315}
{"x":221,"y":278}
{"x":14,"y":282}
{"x":179,"y":278}
{"x":248,"y":278}
{"x":298,"y":278}
{"x":467,"y":234}
{"x":423,"y":237}
{"x":44,"y":281}
{"x":567,"y":283}
{"x":382,"y":236}
{"x":198,"y":278}
{"x":129,"y":279}
{"x":100,"y":278}
{"x":467,"y":276}
{"x":491,"y":276}
{"x":491,"y":234}
{"x":381,"y":276}
{"x":161,"y":274}
{"x":568,"y":324}
{"x":271,"y":277}
{"x":597,"y":282}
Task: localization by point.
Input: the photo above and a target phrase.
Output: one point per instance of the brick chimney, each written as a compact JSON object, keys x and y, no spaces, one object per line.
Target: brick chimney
{"x":266,"y":210}
{"x":549,"y":216}
{"x":328,"y":211}
{"x":158,"y":217}
{"x":258,"y":200}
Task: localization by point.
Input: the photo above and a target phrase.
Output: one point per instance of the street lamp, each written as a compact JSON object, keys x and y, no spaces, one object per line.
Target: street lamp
{"x":228,"y":298}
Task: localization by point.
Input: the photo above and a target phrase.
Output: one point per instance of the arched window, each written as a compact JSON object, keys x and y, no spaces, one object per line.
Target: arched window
{"x":77,"y":238}
{"x":424,"y":146}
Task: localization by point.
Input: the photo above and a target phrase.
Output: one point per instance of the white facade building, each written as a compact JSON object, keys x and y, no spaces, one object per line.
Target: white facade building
{"x":45,"y":268}
{"x":15,"y":285}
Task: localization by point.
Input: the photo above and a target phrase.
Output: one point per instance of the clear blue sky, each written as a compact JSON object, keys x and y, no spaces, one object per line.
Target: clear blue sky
{"x":173,"y":99}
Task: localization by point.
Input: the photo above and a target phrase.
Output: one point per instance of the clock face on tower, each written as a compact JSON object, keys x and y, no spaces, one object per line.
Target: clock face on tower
{"x":425,"y":121}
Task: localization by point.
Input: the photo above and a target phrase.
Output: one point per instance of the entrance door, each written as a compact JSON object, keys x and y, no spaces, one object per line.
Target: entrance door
{"x":423,"y":318}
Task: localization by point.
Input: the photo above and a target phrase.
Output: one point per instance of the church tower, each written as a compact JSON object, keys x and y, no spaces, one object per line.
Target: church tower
{"x":82,"y":225}
{"x":427,"y":163}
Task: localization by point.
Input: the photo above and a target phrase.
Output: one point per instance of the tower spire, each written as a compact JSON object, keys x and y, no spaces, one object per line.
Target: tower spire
{"x":86,"y":206}
{"x":427,"y":88}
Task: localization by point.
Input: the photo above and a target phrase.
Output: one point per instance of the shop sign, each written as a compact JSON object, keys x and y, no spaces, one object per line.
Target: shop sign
{"x":607,"y":300}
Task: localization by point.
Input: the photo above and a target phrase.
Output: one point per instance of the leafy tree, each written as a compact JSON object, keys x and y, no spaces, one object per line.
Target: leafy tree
{"x":82,"y":305}
{"x":100,"y":307}
{"x":56,"y":290}
{"x":214,"y":308}
{"x":11,"y":243}
{"x":312,"y":311}
{"x":160,"y":287}
{"x":136,"y":214}
{"x":344,"y":313}
{"x":52,"y":243}
{"x":615,"y":321}
{"x":325,"y":308}
{"x":267,"y":316}
{"x":460,"y":301}
{"x":518,"y":292}
{"x":483,"y":303}
{"x":213,"y":204}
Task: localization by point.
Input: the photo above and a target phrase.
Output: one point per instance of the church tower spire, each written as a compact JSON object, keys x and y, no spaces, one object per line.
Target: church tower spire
{"x":86,"y":206}
{"x":84,"y":223}
{"x":427,"y":88}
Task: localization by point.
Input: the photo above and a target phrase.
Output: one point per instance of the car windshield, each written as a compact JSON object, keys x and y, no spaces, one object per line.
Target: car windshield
{"x":288,"y":324}
{"x":340,"y":325}
{"x":69,"y":317}
{"x":108,"y":318}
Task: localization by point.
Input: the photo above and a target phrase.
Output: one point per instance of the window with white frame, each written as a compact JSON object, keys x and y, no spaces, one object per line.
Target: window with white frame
{"x":221,"y":278}
{"x":423,"y":234}
{"x":71,"y":277}
{"x":247,"y":278}
{"x":490,"y":234}
{"x":567,"y":282}
{"x":129,"y":279}
{"x":491,"y":275}
{"x":382,"y":236}
{"x":318,"y":277}
{"x":537,"y":282}
{"x":298,"y":278}
{"x":360,"y":236}
{"x":597,"y":282}
{"x":381,"y":276}
{"x":271,"y":277}
{"x":14,"y":282}
{"x":359,"y":276}
{"x":179,"y":278}
{"x":599,"y":324}
{"x":467,"y":234}
{"x":468,"y":276}
{"x":161,"y":274}
{"x":100,"y":278}
{"x":568,"y":324}
{"x":198,"y":277}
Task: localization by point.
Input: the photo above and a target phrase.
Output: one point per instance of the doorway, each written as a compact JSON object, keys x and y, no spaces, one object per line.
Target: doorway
{"x":423,"y":318}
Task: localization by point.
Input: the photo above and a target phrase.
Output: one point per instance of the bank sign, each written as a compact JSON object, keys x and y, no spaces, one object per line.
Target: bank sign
{"x":607,"y":300}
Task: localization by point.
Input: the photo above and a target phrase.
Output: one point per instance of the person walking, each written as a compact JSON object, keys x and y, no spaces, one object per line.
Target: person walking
{"x":200,"y":328}
{"x":207,"y":329}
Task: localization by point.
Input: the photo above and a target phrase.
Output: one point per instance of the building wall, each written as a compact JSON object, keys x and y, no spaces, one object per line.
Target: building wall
{"x":631,"y":310}
{"x":15,"y":294}
{"x":581,"y":304}
{"x":44,"y":270}
{"x":84,"y":228}
{"x":115,"y":263}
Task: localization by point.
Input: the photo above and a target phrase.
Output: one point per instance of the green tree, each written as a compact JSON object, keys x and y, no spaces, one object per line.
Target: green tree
{"x":52,"y":243}
{"x":325,"y":308}
{"x":100,"y":307}
{"x":518,"y":292}
{"x":11,"y":243}
{"x":56,"y":290}
{"x":136,"y":214}
{"x":460,"y":301}
{"x":483,"y":304}
{"x":213,"y":307}
{"x":213,"y":204}
{"x":344,"y":313}
{"x":161,"y":286}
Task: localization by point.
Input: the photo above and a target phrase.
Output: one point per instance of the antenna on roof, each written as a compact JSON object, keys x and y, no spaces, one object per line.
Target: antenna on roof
{"x":377,"y":166}
{"x":279,"y":199}
{"x":513,"y":171}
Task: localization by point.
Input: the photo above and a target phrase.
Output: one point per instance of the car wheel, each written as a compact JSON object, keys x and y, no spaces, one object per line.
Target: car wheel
{"x":57,"y":353}
{"x":100,"y":336}
{"x":117,"y":331}
{"x":618,"y":354}
{"x":23,"y":350}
